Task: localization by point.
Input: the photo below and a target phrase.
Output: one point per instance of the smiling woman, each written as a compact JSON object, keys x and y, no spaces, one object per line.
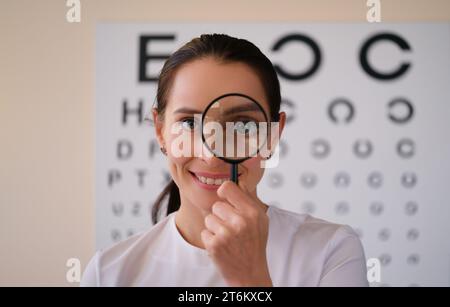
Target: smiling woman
{"x":215,"y":232}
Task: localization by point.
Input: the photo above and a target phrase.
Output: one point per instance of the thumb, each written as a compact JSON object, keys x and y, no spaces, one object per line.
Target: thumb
{"x":254,"y":199}
{"x":243,"y":187}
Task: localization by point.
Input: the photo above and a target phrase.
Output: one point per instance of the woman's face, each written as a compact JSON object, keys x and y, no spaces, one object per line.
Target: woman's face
{"x":195,"y":85}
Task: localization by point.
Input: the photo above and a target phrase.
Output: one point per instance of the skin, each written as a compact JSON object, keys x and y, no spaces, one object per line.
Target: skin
{"x":229,"y":222}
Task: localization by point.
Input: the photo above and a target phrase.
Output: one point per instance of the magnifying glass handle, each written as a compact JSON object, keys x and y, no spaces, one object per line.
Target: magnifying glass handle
{"x":234,"y":172}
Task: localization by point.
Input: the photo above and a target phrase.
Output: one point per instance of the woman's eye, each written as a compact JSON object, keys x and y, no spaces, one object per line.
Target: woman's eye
{"x":188,"y":124}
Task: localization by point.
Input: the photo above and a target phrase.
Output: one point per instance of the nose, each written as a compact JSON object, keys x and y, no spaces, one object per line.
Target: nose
{"x":211,"y":160}
{"x":214,"y":162}
{"x":208,"y":157}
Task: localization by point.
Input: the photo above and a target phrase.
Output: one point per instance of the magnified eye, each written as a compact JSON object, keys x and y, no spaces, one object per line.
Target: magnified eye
{"x":248,"y":127}
{"x":251,"y":127}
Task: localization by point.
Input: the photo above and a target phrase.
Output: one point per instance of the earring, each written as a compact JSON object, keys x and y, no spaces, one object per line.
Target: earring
{"x":267,"y":158}
{"x":163,"y":150}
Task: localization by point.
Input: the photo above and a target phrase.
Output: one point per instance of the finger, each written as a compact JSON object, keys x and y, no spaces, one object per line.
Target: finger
{"x":234,"y":195}
{"x":207,"y":238}
{"x":228,"y":214}
{"x":215,"y":225}
{"x":243,"y":187}
{"x":223,"y":210}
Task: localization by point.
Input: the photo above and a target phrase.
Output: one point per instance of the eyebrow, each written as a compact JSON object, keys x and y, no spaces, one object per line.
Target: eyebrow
{"x":187,"y":111}
{"x":243,"y":108}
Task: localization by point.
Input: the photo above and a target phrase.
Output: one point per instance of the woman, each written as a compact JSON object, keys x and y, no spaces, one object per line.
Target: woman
{"x":217,"y":233}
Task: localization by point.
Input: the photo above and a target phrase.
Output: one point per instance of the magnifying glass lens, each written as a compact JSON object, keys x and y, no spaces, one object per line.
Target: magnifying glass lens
{"x":234,"y":127}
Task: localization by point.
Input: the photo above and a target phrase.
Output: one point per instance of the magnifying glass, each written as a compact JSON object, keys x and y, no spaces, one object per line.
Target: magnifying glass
{"x":234,"y":128}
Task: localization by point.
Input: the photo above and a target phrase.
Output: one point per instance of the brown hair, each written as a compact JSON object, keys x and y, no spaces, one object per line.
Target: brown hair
{"x":225,"y":49}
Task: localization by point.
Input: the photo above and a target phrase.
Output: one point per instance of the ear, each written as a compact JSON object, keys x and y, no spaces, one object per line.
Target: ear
{"x":159,"y":127}
{"x":281,"y":123}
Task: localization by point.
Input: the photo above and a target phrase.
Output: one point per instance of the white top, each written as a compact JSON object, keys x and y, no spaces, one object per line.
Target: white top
{"x":301,"y":251}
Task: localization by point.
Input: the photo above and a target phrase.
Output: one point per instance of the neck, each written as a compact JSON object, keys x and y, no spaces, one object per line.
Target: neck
{"x":190,"y":220}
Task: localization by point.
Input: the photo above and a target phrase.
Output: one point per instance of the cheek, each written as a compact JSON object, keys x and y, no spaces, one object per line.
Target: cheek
{"x":182,"y":143}
{"x":254,"y":170}
{"x":252,"y":164}
{"x":177,"y":166}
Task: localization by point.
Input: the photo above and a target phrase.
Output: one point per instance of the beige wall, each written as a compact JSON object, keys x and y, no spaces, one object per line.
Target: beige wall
{"x":47,"y":120}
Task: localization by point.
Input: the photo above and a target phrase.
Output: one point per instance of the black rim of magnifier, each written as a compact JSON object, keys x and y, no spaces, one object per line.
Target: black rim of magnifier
{"x":234,"y":163}
{"x":206,"y":111}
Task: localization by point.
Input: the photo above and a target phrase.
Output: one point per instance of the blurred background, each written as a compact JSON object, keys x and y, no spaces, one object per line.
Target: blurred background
{"x":366,"y":144}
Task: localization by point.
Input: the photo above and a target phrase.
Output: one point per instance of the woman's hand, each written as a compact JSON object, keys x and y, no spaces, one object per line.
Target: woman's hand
{"x":236,"y":237}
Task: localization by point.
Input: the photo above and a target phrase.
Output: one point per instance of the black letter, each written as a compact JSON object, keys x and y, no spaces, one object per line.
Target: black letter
{"x":308,"y":41}
{"x":372,"y":72}
{"x":124,"y":149}
{"x":399,"y":119}
{"x":126,"y":111}
{"x":144,"y":56}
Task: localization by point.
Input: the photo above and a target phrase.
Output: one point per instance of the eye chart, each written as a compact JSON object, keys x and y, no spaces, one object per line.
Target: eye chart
{"x":366,"y":143}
